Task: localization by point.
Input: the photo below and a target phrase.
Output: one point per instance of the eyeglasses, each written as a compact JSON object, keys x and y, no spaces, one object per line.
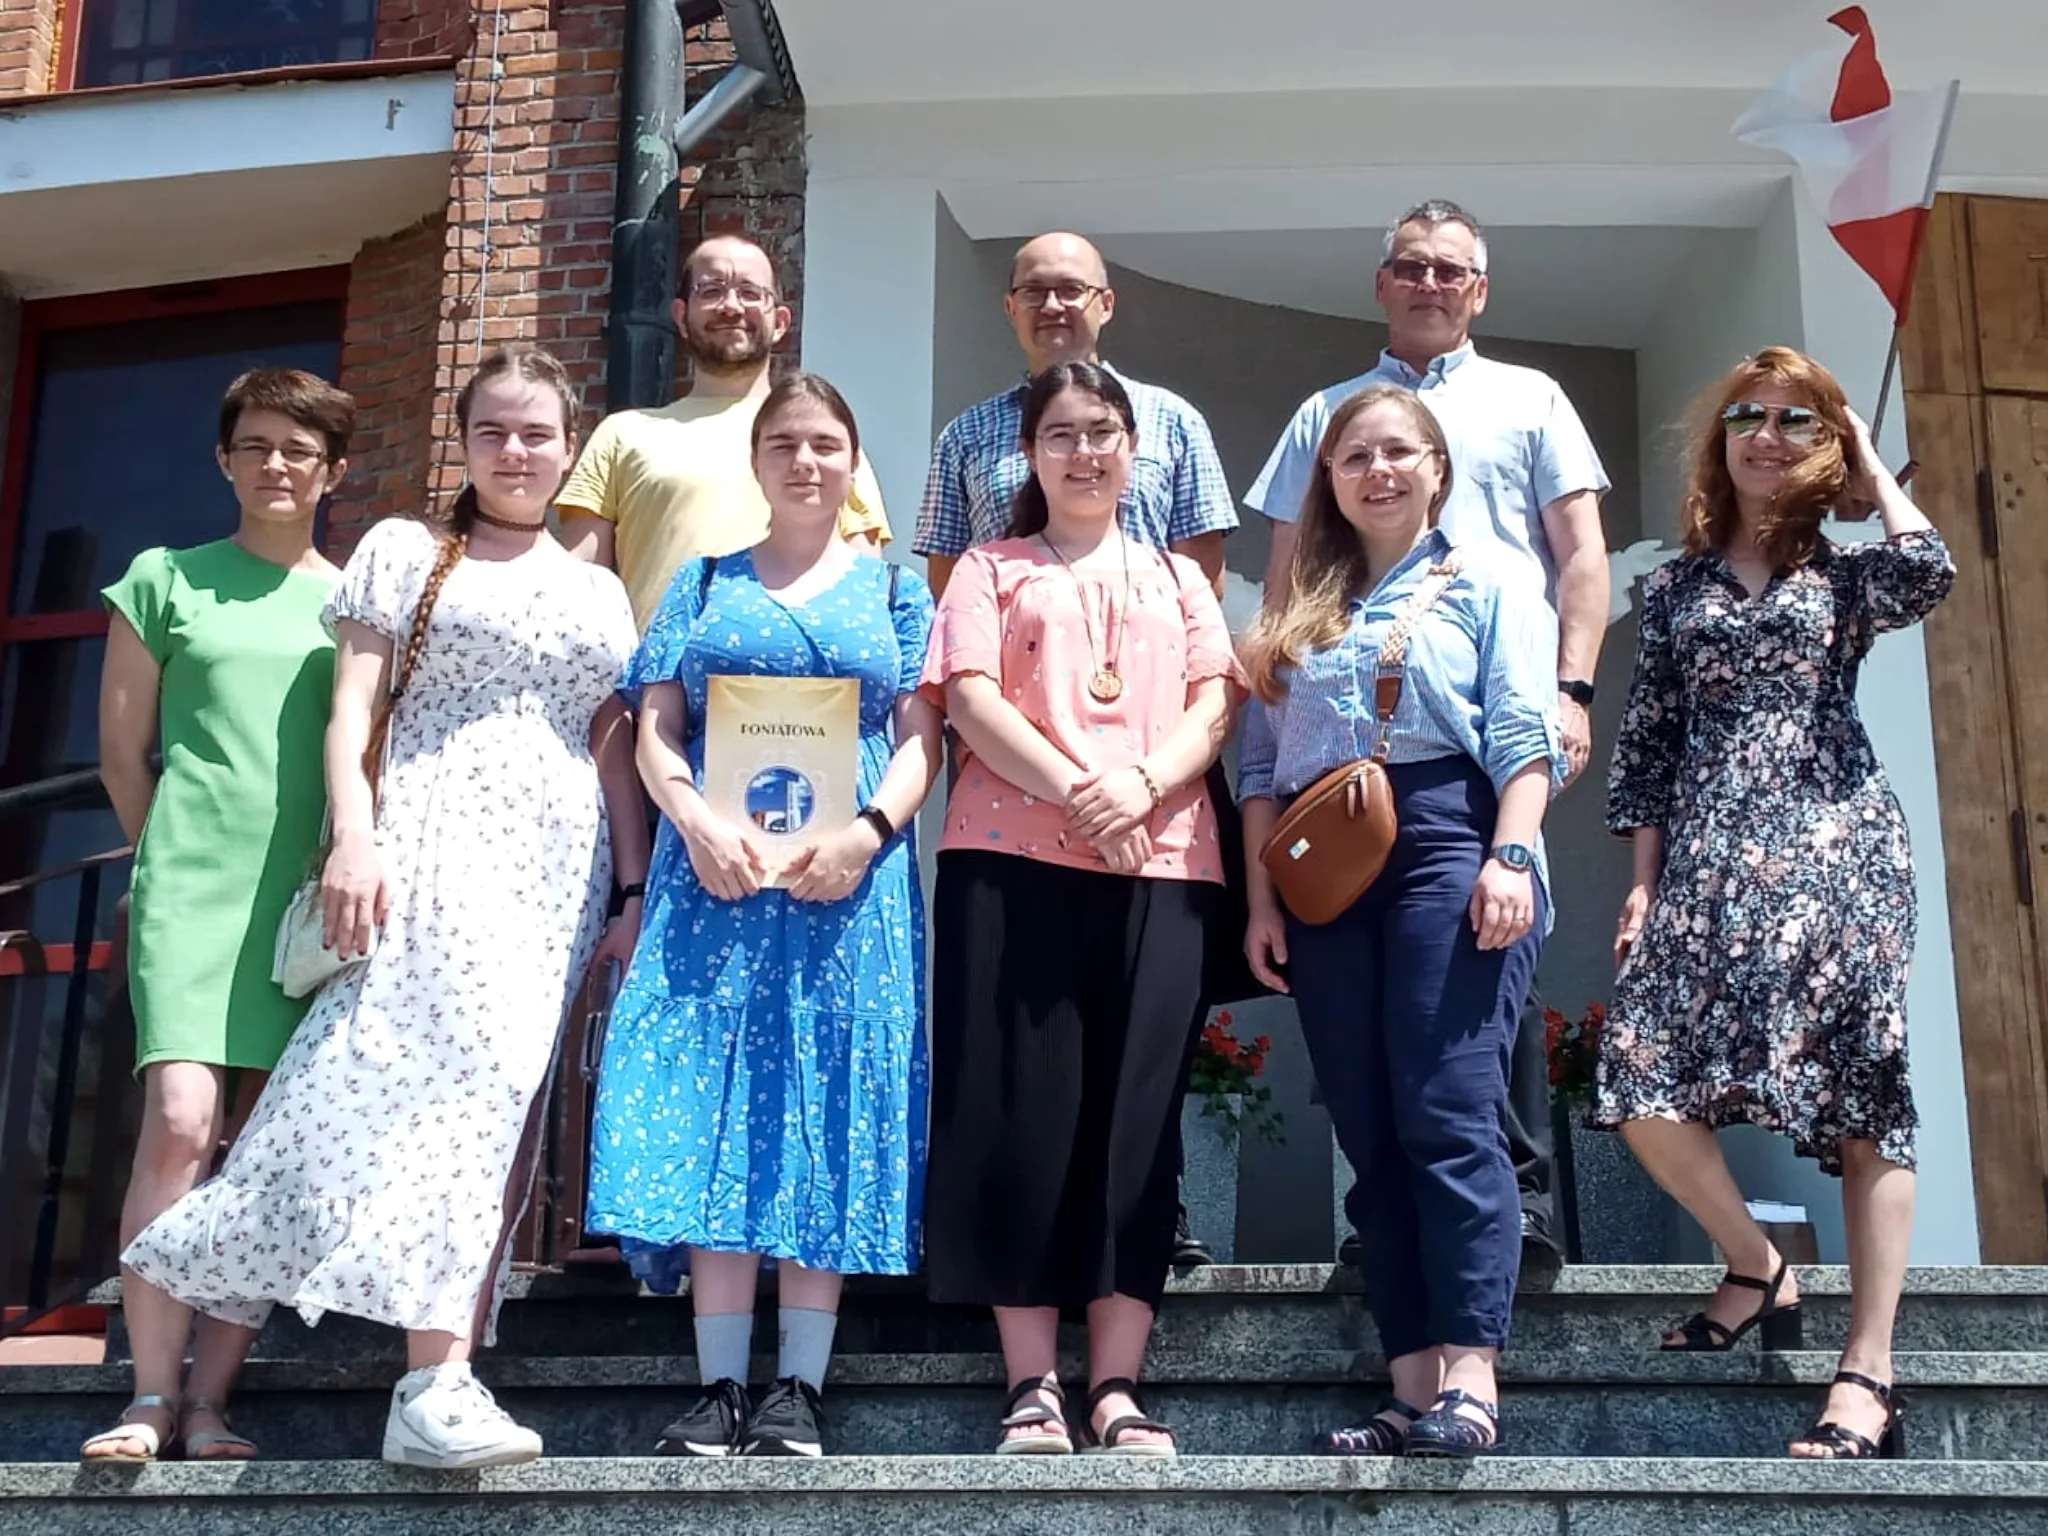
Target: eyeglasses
{"x":295,"y":455}
{"x":1412,"y":270}
{"x":1071,"y":295}
{"x":746,"y":295}
{"x":1063,"y":443}
{"x":1400,"y":457}
{"x":1799,"y":425}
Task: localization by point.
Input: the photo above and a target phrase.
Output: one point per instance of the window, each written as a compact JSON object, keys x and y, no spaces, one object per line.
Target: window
{"x":128,"y":42}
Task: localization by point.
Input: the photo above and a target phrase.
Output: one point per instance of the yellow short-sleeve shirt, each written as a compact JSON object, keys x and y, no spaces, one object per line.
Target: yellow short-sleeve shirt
{"x":678,"y":482}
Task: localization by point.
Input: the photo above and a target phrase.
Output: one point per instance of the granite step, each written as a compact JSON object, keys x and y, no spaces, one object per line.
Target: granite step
{"x":1067,"y":1496}
{"x":1578,"y":1403}
{"x":1311,"y":1306}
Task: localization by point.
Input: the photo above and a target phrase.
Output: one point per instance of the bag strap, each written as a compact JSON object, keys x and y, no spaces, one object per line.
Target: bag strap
{"x":1393,"y":656}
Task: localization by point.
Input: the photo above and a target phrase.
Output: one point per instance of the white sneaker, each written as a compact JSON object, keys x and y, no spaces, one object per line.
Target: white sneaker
{"x":443,"y":1416}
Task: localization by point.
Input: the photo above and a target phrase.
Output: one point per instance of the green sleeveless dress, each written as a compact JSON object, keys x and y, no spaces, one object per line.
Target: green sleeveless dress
{"x":248,"y":674}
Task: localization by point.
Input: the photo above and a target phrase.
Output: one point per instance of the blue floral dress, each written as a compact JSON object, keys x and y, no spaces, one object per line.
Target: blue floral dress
{"x":764,"y":1078}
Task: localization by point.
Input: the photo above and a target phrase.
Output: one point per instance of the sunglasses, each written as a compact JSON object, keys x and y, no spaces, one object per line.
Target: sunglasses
{"x":1796,"y":424}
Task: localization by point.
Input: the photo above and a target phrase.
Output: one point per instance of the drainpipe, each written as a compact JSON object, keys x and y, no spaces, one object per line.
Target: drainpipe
{"x":640,"y":334}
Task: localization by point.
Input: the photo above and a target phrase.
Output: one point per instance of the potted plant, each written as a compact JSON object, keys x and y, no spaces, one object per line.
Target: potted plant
{"x":1225,"y":1099}
{"x":1609,"y":1210}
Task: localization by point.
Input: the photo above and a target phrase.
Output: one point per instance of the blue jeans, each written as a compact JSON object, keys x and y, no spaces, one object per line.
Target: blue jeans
{"x":1410,"y":1026}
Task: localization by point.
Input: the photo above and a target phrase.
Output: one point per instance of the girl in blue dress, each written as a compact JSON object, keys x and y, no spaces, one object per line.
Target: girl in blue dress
{"x":764,"y":1073}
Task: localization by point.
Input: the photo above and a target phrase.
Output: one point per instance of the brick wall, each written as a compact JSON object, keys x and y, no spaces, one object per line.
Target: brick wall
{"x":28,"y":45}
{"x":746,"y":179}
{"x":387,"y":362}
{"x":524,"y":253}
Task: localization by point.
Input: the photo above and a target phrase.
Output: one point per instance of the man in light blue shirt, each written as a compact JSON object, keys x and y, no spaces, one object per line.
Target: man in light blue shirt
{"x":1526,"y":481}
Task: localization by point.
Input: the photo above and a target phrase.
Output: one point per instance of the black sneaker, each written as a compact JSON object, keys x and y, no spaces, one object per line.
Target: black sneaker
{"x":1189,"y":1252}
{"x":717,"y":1426}
{"x":1351,"y":1252}
{"x":787,"y":1422}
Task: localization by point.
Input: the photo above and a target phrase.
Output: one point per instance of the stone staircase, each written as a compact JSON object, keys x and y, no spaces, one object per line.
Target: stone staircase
{"x":1607,"y":1435}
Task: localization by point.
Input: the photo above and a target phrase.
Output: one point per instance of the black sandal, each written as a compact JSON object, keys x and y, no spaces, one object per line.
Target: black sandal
{"x":1845,"y":1444}
{"x":1443,"y":1431}
{"x":1375,"y":1437}
{"x":1111,"y":1441}
{"x":1781,"y":1326}
{"x":1058,"y":1442}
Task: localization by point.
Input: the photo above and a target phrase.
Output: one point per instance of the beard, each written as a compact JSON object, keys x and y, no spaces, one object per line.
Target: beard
{"x":729,"y":348}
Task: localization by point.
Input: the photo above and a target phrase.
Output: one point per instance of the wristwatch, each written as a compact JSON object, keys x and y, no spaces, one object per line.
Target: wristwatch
{"x":1578,"y":692}
{"x":1516,"y":856}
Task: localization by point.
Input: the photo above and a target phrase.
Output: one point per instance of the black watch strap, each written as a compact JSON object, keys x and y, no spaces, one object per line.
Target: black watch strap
{"x":1575,"y":690}
{"x":878,"y":818}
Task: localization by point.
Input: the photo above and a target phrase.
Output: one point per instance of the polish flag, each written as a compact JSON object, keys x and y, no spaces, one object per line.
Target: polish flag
{"x":1870,"y":155}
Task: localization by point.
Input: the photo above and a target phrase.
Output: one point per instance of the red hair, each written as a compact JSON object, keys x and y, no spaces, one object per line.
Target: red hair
{"x":1789,"y":531}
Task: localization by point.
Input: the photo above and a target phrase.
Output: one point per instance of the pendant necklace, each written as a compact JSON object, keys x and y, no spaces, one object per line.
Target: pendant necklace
{"x":1105,"y":682}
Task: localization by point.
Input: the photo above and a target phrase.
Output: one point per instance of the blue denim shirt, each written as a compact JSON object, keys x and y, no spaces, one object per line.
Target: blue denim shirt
{"x":1481,"y":682}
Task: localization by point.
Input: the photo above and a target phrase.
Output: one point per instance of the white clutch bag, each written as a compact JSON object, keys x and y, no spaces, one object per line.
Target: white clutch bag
{"x":302,"y":961}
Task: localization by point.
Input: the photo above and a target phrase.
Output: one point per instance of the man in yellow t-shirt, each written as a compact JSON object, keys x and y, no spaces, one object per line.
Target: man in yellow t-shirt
{"x":656,"y":488}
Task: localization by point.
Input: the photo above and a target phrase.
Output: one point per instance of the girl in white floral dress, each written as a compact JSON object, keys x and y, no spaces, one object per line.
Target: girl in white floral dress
{"x":376,"y":1176}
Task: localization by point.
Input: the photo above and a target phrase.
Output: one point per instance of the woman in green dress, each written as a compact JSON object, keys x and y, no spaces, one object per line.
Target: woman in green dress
{"x":219,"y":656}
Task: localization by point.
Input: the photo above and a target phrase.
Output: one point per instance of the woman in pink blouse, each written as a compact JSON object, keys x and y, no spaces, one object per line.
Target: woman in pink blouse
{"x":1091,"y":680}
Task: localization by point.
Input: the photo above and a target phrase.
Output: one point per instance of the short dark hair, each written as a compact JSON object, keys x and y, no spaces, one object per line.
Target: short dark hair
{"x":1438,"y":210}
{"x":308,"y":399}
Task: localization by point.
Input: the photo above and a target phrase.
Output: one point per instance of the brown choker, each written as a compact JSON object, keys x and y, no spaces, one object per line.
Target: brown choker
{"x":508,"y":523}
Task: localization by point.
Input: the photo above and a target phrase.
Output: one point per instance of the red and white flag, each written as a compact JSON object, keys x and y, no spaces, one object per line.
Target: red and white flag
{"x":1870,"y":155}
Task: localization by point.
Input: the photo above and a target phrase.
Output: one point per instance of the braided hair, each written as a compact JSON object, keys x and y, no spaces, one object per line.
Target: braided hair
{"x":521,"y":362}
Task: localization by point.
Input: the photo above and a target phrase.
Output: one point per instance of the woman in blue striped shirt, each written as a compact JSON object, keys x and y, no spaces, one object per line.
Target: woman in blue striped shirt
{"x":1409,"y":999}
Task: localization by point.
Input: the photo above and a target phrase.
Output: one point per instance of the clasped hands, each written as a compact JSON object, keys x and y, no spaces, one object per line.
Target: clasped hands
{"x":730,"y":863}
{"x":1111,"y":808}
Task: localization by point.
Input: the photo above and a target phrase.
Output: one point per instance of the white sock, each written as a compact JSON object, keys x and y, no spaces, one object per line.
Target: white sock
{"x":725,"y":1346}
{"x":805,"y":1344}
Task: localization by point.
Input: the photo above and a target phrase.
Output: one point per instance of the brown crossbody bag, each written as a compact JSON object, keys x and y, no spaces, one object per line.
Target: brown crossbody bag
{"x":1329,"y":846}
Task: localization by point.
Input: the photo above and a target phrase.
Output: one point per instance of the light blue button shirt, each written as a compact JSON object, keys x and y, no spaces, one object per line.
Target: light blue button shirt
{"x":1516,"y":446}
{"x":1481,"y":682}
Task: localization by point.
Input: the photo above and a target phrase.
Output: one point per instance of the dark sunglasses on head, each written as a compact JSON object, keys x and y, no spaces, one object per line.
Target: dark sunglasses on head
{"x":1797,"y":424}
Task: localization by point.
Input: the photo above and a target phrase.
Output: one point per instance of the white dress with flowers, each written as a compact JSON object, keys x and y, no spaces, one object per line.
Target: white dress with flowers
{"x":374,"y":1176}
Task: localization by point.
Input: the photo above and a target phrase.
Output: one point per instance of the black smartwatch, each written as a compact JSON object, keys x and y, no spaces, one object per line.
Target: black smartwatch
{"x":877,"y":818}
{"x":1578,"y":692}
{"x":1516,"y":856}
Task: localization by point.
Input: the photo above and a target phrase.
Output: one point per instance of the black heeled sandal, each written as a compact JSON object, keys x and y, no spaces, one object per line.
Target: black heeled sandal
{"x":1781,"y":1326}
{"x":1443,"y":1431}
{"x":1845,"y":1444}
{"x":1376,"y":1436}
{"x":1111,"y":1441}
{"x":1057,"y":1441}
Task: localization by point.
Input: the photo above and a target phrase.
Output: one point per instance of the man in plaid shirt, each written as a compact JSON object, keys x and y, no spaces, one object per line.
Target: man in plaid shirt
{"x":1058,"y":303}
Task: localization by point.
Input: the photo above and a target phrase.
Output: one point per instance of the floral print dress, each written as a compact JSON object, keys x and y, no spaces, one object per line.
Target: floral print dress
{"x":764,"y":1078}
{"x":374,"y":1176}
{"x":1769,"y":984}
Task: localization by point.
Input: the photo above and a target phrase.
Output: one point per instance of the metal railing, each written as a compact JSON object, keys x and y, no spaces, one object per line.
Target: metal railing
{"x":41,"y":1078}
{"x":72,"y":1246}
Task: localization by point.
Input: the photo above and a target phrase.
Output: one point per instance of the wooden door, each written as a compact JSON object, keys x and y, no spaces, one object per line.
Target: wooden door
{"x":1976,"y":371}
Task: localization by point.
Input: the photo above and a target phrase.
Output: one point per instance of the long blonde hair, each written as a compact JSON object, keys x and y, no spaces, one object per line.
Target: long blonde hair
{"x":1789,"y":530}
{"x":1329,"y":567}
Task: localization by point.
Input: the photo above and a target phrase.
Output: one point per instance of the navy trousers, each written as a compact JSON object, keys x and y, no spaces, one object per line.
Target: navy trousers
{"x":1410,"y":1026}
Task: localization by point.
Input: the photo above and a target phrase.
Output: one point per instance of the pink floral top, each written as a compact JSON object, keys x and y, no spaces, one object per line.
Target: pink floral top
{"x":1013,"y":613}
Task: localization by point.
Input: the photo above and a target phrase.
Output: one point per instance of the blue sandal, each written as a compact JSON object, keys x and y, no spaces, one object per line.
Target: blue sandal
{"x":1376,"y":1436}
{"x":1443,"y":1431}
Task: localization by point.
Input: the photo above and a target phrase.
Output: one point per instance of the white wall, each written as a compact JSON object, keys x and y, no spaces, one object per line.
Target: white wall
{"x":1849,"y":327}
{"x":1738,"y":291}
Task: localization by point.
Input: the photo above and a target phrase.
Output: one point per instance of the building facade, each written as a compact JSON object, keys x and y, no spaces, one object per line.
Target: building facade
{"x":385,"y":190}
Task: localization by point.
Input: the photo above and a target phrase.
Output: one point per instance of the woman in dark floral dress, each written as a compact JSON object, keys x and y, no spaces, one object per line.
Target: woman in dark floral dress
{"x":1764,"y":947}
